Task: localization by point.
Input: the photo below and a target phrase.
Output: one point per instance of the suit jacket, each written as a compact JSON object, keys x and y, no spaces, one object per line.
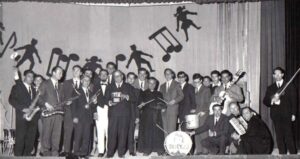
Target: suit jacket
{"x":188,"y":103}
{"x":48,"y":93}
{"x":174,"y":92}
{"x":123,"y":108}
{"x":137,"y":85}
{"x":20,"y":98}
{"x":235,"y":93}
{"x":69,"y":91}
{"x":221,"y":127}
{"x":84,"y":115}
{"x":288,"y":102}
{"x":202,"y":98}
{"x":102,"y":98}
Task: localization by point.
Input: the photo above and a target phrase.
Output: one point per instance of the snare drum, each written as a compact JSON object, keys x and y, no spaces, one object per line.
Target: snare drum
{"x":178,"y":143}
{"x":192,"y":121}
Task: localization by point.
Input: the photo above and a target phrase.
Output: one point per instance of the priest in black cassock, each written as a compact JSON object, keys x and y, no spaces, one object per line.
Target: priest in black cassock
{"x":257,"y":139}
{"x":151,"y":138}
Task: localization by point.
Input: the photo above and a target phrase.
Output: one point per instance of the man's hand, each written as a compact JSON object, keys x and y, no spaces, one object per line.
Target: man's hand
{"x":172,"y":102}
{"x":94,"y":100}
{"x":125,"y":96}
{"x":75,"y":120}
{"x":293,"y":117}
{"x":201,"y":114}
{"x":110,"y":103}
{"x":235,"y":136}
{"x":26,"y":110}
{"x":141,"y":105}
{"x":137,"y":121}
{"x":69,"y":103}
{"x":95,"y":115}
{"x":49,"y":107}
{"x":192,"y":111}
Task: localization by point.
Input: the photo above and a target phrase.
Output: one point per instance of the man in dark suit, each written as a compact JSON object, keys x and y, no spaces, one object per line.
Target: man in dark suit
{"x":283,"y":111}
{"x":120,"y":95}
{"x":217,"y":127}
{"x":142,"y":81}
{"x":216,"y":80}
{"x":202,"y":97}
{"x":188,"y":104}
{"x":51,"y":95}
{"x":21,"y":97}
{"x":70,"y":88}
{"x":102,"y":112}
{"x":134,"y":81}
{"x":111,"y":68}
{"x":172,"y":94}
{"x":83,"y":111}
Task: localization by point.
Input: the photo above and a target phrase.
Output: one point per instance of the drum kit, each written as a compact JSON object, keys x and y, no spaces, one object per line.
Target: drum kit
{"x":179,"y":143}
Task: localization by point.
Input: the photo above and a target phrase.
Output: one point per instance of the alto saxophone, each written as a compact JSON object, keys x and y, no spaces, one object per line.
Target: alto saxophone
{"x":32,"y":111}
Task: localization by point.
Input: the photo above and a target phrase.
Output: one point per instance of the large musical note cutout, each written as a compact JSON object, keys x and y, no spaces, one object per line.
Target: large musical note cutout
{"x":172,"y":43}
{"x":13,"y":37}
{"x":61,"y":60}
{"x":120,"y":57}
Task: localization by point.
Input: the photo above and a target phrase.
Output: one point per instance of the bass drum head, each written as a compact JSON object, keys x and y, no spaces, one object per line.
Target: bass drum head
{"x":178,"y":143}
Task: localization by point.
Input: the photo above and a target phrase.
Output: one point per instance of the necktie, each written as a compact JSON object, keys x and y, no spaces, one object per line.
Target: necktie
{"x":30,"y":92}
{"x":142,"y":86}
{"x":278,"y":85}
{"x":87,"y":95}
{"x":76,"y":84}
{"x":168,"y":85}
{"x":216,"y":121}
{"x":56,"y":90}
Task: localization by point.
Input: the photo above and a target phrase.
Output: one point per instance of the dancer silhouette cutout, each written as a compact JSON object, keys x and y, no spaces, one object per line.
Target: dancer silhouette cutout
{"x":2,"y":28}
{"x":28,"y":55}
{"x":93,"y":64}
{"x":137,"y":56}
{"x":181,"y":15}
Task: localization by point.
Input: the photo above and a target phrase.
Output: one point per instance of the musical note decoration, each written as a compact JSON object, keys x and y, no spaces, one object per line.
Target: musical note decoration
{"x":136,"y":55}
{"x":61,"y":59}
{"x":2,"y":28}
{"x":173,"y":44}
{"x":120,"y":57}
{"x":13,"y":39}
{"x":93,"y":64}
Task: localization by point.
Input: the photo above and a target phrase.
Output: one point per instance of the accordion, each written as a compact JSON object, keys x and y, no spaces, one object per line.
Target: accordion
{"x":239,"y":124}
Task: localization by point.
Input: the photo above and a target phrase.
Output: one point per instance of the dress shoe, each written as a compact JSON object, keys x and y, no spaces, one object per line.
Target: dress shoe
{"x":132,"y":154}
{"x":100,"y":155}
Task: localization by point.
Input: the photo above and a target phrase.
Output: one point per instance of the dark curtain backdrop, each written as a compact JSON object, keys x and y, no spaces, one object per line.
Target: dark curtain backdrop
{"x":272,"y":48}
{"x":293,"y":49}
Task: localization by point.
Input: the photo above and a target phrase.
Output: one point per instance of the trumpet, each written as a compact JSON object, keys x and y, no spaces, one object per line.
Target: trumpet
{"x":32,"y":111}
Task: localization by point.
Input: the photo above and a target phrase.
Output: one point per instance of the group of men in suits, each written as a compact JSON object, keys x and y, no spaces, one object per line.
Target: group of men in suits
{"x":109,"y":102}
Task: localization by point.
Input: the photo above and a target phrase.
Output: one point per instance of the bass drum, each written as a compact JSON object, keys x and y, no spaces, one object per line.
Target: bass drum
{"x":178,"y":143}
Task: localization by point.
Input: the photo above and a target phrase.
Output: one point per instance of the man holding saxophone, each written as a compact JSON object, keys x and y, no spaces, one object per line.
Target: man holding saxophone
{"x":21,"y":97}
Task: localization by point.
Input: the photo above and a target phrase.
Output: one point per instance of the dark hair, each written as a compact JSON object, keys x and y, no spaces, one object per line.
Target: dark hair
{"x":217,"y":105}
{"x":279,"y":69}
{"x":131,"y":73}
{"x":88,"y":69}
{"x":143,"y":69}
{"x":172,"y":72}
{"x":104,"y":70}
{"x":27,"y":72}
{"x":56,"y":68}
{"x":197,"y":76}
{"x":227,"y":72}
{"x":216,"y":72}
{"x":111,"y":63}
{"x":156,"y":81}
{"x":185,"y":75}
{"x":207,"y":78}
{"x":77,"y":66}
{"x":39,"y":76}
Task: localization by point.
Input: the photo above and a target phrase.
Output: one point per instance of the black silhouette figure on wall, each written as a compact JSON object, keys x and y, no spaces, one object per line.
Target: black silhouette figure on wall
{"x":173,"y":44}
{"x":181,"y":15}
{"x":61,"y":60}
{"x":13,"y":37}
{"x":2,"y":28}
{"x":30,"y":50}
{"x":93,"y":64}
{"x":136,"y":55}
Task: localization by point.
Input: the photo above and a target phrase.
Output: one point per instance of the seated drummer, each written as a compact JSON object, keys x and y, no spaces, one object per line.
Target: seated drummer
{"x":257,"y":139}
{"x":217,"y":126}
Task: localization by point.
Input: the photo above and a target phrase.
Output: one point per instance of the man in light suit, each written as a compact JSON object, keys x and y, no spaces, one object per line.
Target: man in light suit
{"x":102,"y":112}
{"x":172,"y":94}
{"x":228,"y":90}
{"x":202,"y":97}
{"x":217,"y":126}
{"x":51,"y":95}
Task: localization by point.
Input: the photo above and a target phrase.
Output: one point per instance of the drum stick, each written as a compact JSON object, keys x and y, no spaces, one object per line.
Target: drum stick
{"x":163,"y":100}
{"x":161,"y":129}
{"x":143,"y":104}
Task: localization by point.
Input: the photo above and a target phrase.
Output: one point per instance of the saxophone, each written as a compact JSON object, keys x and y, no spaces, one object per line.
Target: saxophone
{"x":32,"y":110}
